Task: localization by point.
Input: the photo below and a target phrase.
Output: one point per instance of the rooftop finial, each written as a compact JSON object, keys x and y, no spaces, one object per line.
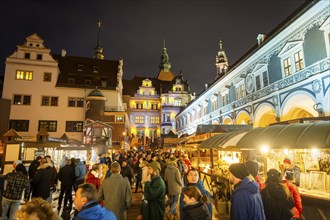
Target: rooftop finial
{"x":164,"y":46}
{"x":220,"y":44}
{"x":98,"y":49}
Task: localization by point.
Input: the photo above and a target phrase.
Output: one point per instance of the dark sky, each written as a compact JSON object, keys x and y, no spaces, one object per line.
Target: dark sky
{"x":134,"y":30}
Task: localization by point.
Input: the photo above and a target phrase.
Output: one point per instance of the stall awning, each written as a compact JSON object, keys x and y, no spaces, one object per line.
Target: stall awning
{"x":222,"y":140}
{"x":309,"y":135}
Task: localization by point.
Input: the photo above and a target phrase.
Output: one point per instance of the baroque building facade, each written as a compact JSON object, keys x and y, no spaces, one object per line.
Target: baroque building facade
{"x":285,"y":76}
{"x":62,"y":93}
{"x":152,"y":103}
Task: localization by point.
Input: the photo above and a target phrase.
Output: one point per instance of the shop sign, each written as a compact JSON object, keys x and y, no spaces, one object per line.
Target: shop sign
{"x":26,"y":139}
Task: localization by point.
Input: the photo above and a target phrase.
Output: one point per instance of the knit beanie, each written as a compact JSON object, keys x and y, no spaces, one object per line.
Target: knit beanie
{"x":239,"y":170}
{"x":155,"y":166}
{"x":274,"y":176}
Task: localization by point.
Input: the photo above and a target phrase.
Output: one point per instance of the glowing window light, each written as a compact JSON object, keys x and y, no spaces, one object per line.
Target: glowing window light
{"x":286,"y":151}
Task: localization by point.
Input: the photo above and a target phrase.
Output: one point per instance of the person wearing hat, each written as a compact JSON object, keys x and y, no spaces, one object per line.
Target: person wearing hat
{"x":154,"y":195}
{"x":289,"y":166}
{"x":276,"y":197}
{"x":297,"y":209}
{"x":246,"y":201}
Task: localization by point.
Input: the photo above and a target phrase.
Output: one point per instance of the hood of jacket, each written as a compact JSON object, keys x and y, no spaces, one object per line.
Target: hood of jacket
{"x":45,"y":165}
{"x":248,"y":185}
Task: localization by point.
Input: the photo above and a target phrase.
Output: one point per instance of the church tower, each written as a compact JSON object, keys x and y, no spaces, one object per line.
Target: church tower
{"x":165,"y":73}
{"x":221,"y":62}
{"x":98,"y":49}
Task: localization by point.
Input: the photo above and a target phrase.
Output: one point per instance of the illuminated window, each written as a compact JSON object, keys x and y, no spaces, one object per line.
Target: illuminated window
{"x":24,"y":75}
{"x":287,"y":67}
{"x":75,"y":102}
{"x":298,"y":60}
{"x":19,"y":125}
{"x":139,"y":105}
{"x":178,"y":102}
{"x":154,"y":106}
{"x":50,"y":126}
{"x":74,"y":126}
{"x":49,"y":101}
{"x":22,"y":100}
{"x":47,"y":77}
{"x":139,"y":119}
{"x":119,"y":118}
{"x":154,"y":120}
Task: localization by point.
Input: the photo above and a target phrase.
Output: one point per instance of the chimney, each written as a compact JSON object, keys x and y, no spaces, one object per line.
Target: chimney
{"x":63,"y":53}
{"x":261,"y":38}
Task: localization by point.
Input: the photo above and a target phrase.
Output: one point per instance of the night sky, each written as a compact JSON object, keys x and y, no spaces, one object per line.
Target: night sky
{"x":135,"y":30}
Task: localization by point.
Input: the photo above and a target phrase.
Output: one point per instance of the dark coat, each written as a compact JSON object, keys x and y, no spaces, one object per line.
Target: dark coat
{"x":127,"y":172}
{"x":42,"y":180}
{"x":276,"y":204}
{"x":154,"y":194}
{"x":197,"y":211}
{"x":33,"y":168}
{"x":66,"y":175}
{"x":201,"y":188}
{"x":246,"y":201}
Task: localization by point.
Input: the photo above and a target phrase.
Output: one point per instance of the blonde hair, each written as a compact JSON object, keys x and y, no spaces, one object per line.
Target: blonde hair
{"x":39,"y":207}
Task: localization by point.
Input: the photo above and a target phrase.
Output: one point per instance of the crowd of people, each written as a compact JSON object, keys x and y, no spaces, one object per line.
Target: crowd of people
{"x":170,"y":186}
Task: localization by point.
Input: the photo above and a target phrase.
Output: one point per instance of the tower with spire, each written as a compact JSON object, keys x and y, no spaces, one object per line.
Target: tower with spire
{"x":98,"y":49}
{"x":221,"y":62}
{"x":165,"y":73}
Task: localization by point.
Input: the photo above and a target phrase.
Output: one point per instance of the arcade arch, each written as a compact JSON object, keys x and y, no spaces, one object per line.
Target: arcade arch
{"x":264,"y":115}
{"x":243,"y":118}
{"x":298,"y":105}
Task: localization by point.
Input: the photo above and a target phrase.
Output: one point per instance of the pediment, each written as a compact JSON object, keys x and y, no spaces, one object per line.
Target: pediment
{"x":34,"y":38}
{"x":289,"y":46}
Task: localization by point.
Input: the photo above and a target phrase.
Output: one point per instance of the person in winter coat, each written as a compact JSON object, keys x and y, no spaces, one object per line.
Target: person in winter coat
{"x":17,"y":182}
{"x":288,"y":165}
{"x":154,"y":195}
{"x":66,"y":176}
{"x":85,"y":202}
{"x":80,"y":172}
{"x":173,"y":179}
{"x":195,"y":204}
{"x":145,"y":175}
{"x":34,"y":166}
{"x":276,"y":197}
{"x":297,"y":209}
{"x":246,"y":201}
{"x":138,"y":174}
{"x":193,"y":180}
{"x":42,"y":180}
{"x":93,"y":176}
{"x":126,"y":171}
{"x":116,"y":193}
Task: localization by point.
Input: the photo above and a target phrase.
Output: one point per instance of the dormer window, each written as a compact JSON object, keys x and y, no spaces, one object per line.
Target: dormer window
{"x":80,"y":67}
{"x":95,"y":69}
{"x":88,"y":82}
{"x":71,"y":80}
{"x":104,"y":83}
{"x":292,"y":58}
{"x":27,"y":55}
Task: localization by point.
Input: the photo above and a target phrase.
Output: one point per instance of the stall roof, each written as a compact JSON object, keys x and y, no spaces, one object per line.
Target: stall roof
{"x":222,"y":140}
{"x":307,"y":135}
{"x":202,"y":129}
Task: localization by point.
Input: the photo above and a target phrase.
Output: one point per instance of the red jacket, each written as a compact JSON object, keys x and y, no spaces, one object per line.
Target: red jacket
{"x":93,"y":180}
{"x":297,"y":199}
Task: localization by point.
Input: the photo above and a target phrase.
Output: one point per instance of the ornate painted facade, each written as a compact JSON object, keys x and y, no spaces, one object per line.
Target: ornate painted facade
{"x":285,"y":76}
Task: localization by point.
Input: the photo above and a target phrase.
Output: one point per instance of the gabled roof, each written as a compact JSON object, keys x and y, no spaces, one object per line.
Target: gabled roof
{"x":131,"y":86}
{"x":95,"y":70}
{"x":11,"y":133}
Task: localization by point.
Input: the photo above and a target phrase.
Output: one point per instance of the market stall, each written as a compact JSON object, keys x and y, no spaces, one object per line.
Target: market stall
{"x":305,"y":145}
